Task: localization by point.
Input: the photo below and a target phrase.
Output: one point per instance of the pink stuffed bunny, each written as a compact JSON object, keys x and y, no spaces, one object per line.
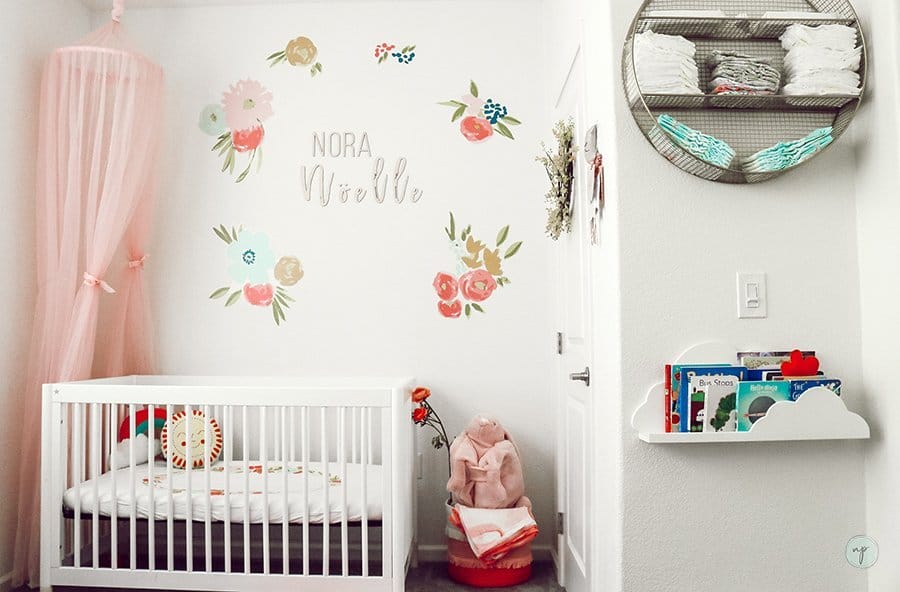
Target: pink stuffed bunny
{"x":485,"y":470}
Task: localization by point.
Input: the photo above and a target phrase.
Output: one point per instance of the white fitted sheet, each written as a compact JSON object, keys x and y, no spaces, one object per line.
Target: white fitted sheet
{"x":200,"y":497}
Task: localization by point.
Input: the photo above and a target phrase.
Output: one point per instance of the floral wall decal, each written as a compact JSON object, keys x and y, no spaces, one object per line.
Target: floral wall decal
{"x":252,"y":269}
{"x":480,"y":118}
{"x":403,"y":56}
{"x":237,"y":124}
{"x":478,"y":273}
{"x":298,"y":52}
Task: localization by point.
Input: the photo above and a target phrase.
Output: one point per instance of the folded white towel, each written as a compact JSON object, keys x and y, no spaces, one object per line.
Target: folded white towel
{"x":831,"y":36}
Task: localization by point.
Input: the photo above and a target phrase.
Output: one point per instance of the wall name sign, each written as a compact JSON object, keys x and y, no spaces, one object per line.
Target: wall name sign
{"x":319,"y":184}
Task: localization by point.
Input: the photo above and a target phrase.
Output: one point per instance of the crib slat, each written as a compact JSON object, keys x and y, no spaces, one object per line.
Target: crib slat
{"x":207,"y":530}
{"x":78,"y":470}
{"x":293,"y":428}
{"x":95,"y":476}
{"x":170,"y":499}
{"x":189,"y":489}
{"x":354,"y":434}
{"x":245,"y":435}
{"x":264,"y":457}
{"x":342,"y":434}
{"x":227,"y":418}
{"x":132,"y":551}
{"x":326,"y":506}
{"x":364,"y":500}
{"x":287,"y":438}
{"x":151,"y":520}
{"x":304,"y":425}
{"x":114,"y":511}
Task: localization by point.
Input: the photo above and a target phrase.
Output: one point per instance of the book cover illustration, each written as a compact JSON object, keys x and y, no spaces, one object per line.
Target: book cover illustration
{"x":684,"y":397}
{"x":756,"y":362}
{"x":754,"y":399}
{"x":798,"y":387}
{"x":718,"y":393}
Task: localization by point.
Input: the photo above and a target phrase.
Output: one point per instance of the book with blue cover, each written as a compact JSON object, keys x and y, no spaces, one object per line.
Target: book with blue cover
{"x":754,"y":398}
{"x":685,"y":404}
{"x":798,"y":387}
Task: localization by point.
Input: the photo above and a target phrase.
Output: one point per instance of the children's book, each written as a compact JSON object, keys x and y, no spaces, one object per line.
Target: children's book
{"x":757,"y":362}
{"x":798,"y":387}
{"x":719,"y":412}
{"x":668,"y":398}
{"x":754,"y":398}
{"x":778,"y":375}
{"x":684,"y":397}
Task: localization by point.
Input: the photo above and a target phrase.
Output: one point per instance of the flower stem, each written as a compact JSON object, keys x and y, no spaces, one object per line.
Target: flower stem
{"x":439,"y":428}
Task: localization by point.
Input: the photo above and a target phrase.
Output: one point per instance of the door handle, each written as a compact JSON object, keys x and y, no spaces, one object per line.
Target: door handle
{"x":584,"y":377}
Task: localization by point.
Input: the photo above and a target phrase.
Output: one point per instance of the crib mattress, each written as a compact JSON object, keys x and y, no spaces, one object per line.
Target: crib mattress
{"x":201,"y":499}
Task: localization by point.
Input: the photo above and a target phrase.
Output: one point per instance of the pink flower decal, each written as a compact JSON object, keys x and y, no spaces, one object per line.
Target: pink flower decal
{"x":238,"y":124}
{"x":248,"y":139}
{"x":477,"y":286}
{"x":451,"y":310}
{"x":480,"y":117}
{"x":476,"y":129}
{"x":259,"y":295}
{"x":479,"y":266}
{"x":445,"y":285}
{"x":247,"y":104}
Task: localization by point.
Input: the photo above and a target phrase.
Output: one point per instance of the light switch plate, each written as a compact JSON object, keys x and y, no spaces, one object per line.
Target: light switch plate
{"x":752,"y":299}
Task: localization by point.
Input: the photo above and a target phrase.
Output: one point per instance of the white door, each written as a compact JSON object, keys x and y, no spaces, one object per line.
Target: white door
{"x":574,"y":318}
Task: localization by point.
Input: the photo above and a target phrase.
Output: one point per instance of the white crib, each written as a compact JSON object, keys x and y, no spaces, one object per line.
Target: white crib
{"x":313,"y":489}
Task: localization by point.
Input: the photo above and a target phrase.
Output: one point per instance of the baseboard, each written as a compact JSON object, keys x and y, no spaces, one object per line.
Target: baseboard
{"x":438,"y":553}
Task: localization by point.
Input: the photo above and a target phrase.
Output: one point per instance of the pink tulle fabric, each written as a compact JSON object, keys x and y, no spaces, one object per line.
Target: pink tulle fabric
{"x":101,"y":105}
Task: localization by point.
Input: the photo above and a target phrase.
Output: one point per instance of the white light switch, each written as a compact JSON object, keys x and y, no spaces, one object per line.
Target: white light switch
{"x":752,"y":302}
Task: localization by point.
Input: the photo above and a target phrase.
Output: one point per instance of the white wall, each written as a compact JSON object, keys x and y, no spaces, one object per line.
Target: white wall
{"x":366,"y":305}
{"x":28,"y":32}
{"x":744,"y":517}
{"x":878,"y":209}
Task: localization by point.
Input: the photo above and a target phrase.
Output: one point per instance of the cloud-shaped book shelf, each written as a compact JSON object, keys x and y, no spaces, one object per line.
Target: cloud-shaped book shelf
{"x":818,"y":414}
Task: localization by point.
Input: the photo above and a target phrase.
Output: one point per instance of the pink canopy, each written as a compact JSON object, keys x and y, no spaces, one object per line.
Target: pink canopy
{"x":101,"y":106}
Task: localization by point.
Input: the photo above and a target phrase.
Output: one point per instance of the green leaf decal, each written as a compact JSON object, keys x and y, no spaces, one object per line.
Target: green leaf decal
{"x":219,"y":293}
{"x":512,"y":250}
{"x":473,"y":88}
{"x":458,"y":113}
{"x":468,"y":310}
{"x":477,"y":307}
{"x":511,"y":120}
{"x":452,"y":232}
{"x":233,"y":298}
{"x":275,"y":314}
{"x":222,"y":235}
{"x":501,"y":236}
{"x":452,"y":104}
{"x":504,"y":131}
{"x":275,"y":55}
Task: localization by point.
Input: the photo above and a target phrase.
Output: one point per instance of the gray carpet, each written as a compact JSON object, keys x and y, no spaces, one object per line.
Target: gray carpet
{"x":432,"y":577}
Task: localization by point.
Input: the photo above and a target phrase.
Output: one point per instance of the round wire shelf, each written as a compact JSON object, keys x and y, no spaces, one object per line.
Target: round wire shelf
{"x":748,"y":123}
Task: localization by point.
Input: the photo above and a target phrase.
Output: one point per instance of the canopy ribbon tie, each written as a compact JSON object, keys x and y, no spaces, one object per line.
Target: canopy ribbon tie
{"x":118,"y":10}
{"x":137,"y":263}
{"x":90,"y":280}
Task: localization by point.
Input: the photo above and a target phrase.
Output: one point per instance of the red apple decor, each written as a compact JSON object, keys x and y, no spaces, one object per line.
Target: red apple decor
{"x":799,"y":365}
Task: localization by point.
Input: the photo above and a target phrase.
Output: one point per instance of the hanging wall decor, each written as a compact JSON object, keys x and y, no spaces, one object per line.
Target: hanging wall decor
{"x":300,"y":52}
{"x":560,"y":169}
{"x":742,"y":92}
{"x":256,"y":274}
{"x":594,"y":161}
{"x":405,"y":55}
{"x":478,"y":271}
{"x":237,"y":124}
{"x":480,"y":118}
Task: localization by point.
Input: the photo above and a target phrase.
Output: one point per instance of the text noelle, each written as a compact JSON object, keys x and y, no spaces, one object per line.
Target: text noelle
{"x":317,"y":182}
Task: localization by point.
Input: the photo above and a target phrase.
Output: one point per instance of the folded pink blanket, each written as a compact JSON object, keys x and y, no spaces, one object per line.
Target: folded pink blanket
{"x":494,"y":533}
